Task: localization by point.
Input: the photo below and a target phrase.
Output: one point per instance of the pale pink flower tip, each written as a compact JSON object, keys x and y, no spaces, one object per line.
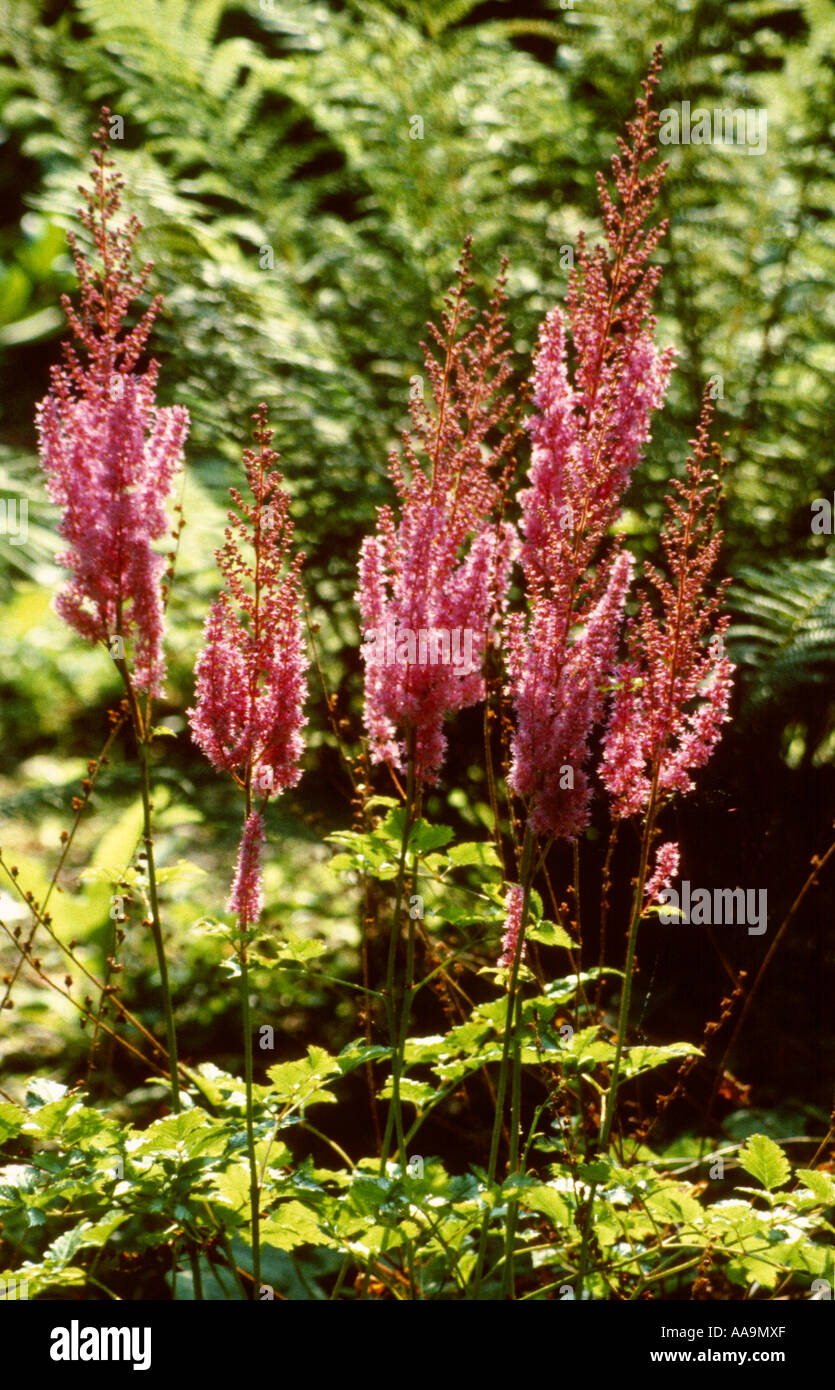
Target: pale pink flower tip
{"x":513,"y":924}
{"x":245,"y":898}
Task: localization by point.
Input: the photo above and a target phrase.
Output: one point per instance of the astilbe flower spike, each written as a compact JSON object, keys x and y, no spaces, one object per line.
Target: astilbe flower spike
{"x":245,"y":897}
{"x":514,"y":903}
{"x":587,"y":438}
{"x":673,"y":690}
{"x":109,"y":453}
{"x":250,"y":675}
{"x":441,"y":568}
{"x":559,"y":696}
{"x":666,"y":869}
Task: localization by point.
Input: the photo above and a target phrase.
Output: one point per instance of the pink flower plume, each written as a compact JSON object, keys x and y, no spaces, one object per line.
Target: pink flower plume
{"x":109,"y":453}
{"x":514,"y":903}
{"x":250,"y":676}
{"x":666,"y":868}
{"x":245,"y":898}
{"x":441,"y":566}
{"x":673,"y":692}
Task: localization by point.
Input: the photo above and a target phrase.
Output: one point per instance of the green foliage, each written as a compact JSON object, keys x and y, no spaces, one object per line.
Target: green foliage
{"x":789,"y":638}
{"x":92,"y":1199}
{"x":83,"y":1196}
{"x":764,"y":1160}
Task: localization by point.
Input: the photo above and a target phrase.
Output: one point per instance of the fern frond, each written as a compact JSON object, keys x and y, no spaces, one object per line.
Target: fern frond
{"x":786,"y":640}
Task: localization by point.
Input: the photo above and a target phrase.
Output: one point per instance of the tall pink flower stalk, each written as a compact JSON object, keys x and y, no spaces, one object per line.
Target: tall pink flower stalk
{"x":441,"y":567}
{"x":248,"y":713}
{"x":110,"y":456}
{"x":109,"y":453}
{"x":250,"y":676}
{"x":673,"y":689}
{"x":587,"y":436}
{"x":671,"y":693}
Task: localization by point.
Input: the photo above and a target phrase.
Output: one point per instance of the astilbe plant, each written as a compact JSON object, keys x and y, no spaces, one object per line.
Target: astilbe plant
{"x":588,"y":429}
{"x":436,"y":574}
{"x":110,"y":456}
{"x":672,"y":691}
{"x":250,"y":680}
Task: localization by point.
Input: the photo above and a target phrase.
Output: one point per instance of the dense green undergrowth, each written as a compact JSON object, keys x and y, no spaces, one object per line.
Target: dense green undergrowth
{"x":97,"y":1201}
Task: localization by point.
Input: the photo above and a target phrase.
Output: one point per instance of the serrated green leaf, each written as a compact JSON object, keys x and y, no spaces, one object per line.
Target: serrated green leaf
{"x":231,"y":1187}
{"x":291,"y":1225}
{"x":356,"y":1054}
{"x":551,"y":934}
{"x":765,"y":1161}
{"x":297,"y":1082}
{"x":84,"y":1236}
{"x":481,"y":853}
{"x":675,"y":1205}
{"x":820,"y":1184}
{"x":11,"y":1120}
{"x":416,"y":1093}
{"x":42,"y":1091}
{"x":641,"y":1059}
{"x":180,"y":1136}
{"x":549,"y":1202}
{"x":179,"y":872}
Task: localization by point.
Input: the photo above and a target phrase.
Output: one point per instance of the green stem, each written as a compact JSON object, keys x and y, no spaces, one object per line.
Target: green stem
{"x":623,"y":1020}
{"x":140,"y":729}
{"x":406,"y":1007}
{"x":197,"y":1278}
{"x":525,"y":877}
{"x":394,"y":1119}
{"x":513,"y":1164}
{"x":250,"y":1129}
{"x":626,"y":993}
{"x":156,"y":927}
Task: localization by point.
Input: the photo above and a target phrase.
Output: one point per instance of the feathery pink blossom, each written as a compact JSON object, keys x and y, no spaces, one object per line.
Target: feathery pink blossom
{"x":558,"y":689}
{"x":586,"y":439}
{"x":251,"y":673}
{"x":109,"y":454}
{"x":514,"y":903}
{"x":441,"y":567}
{"x":673,"y":691}
{"x":250,"y":676}
{"x":245,"y":898}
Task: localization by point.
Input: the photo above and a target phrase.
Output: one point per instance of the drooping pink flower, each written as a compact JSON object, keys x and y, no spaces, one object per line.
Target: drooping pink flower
{"x":251,"y":672}
{"x":432,"y":581}
{"x":513,"y":924}
{"x":109,"y":453}
{"x":666,"y":868}
{"x":245,"y":898}
{"x":672,"y":693}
